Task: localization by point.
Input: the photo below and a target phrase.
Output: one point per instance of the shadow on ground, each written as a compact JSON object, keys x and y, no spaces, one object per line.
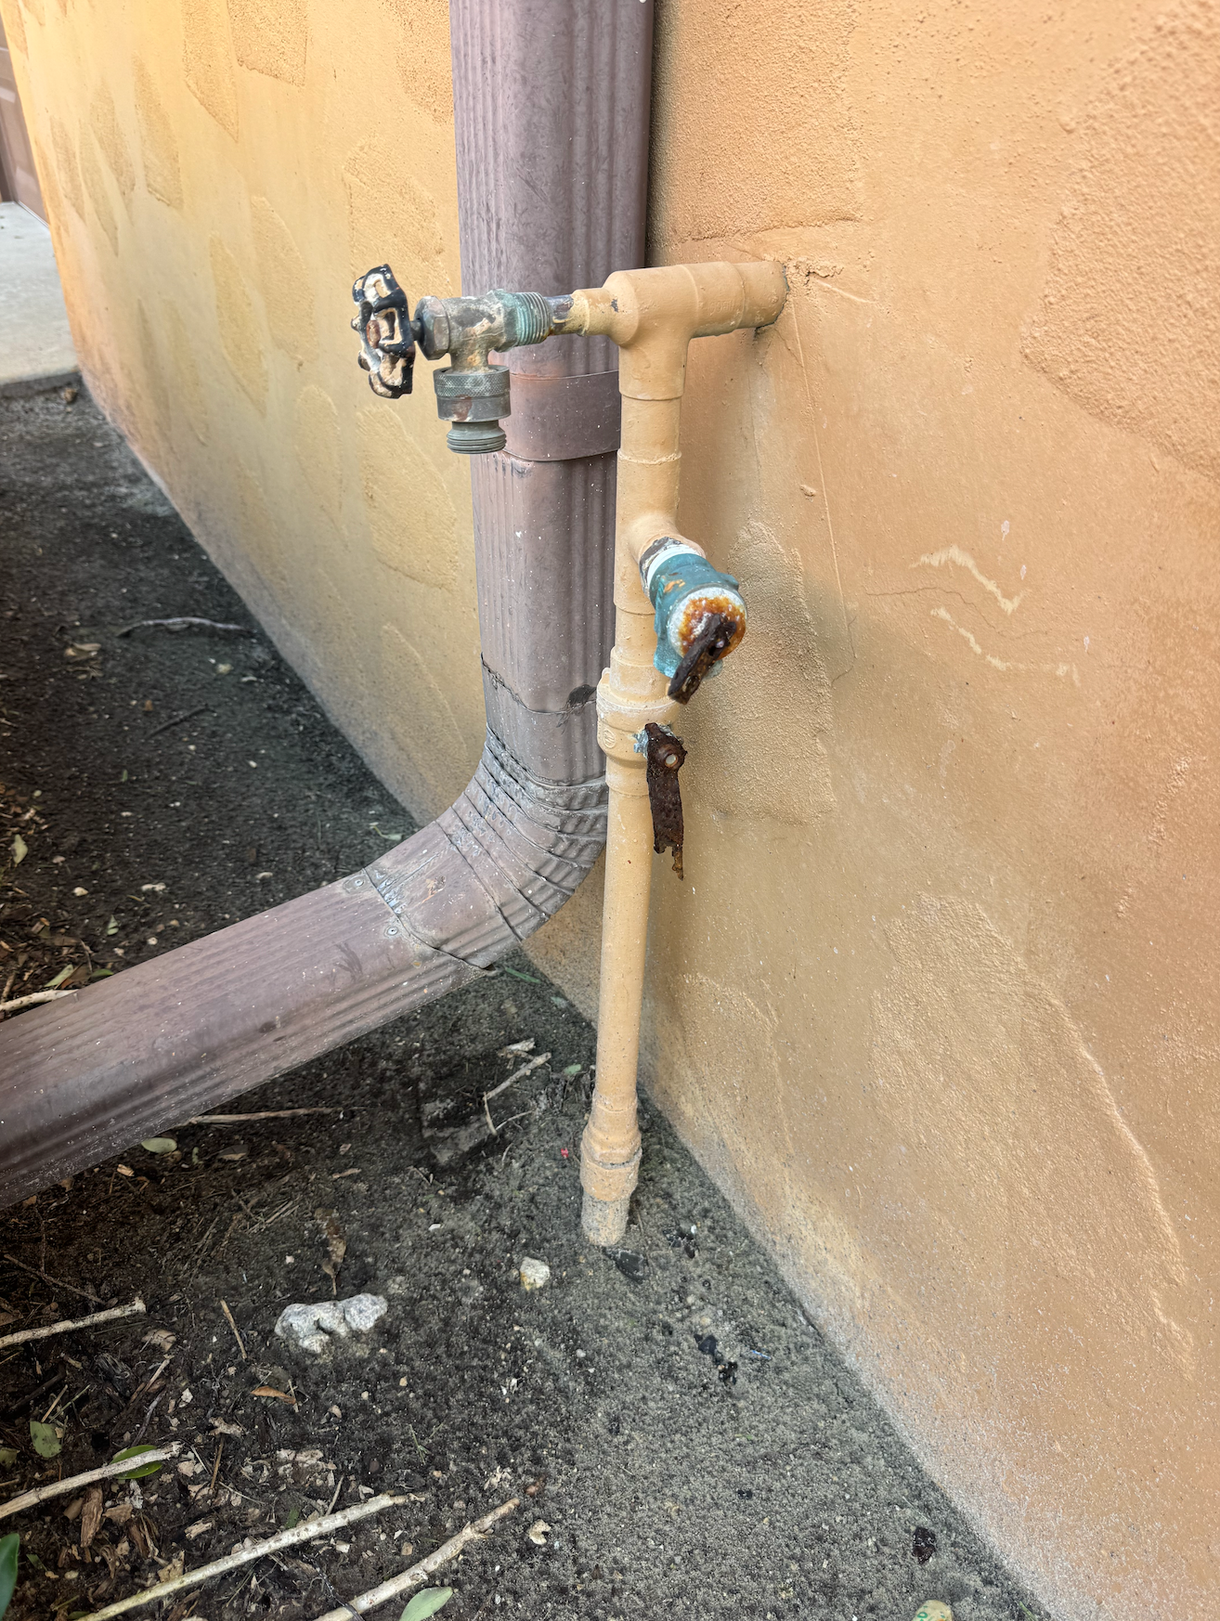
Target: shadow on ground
{"x":693,"y":1446}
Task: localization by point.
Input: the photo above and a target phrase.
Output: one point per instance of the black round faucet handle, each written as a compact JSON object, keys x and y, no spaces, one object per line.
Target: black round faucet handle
{"x":383,"y":323}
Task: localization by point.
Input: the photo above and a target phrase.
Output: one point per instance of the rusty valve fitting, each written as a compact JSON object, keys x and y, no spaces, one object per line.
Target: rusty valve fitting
{"x":471,"y":393}
{"x":700,"y":614}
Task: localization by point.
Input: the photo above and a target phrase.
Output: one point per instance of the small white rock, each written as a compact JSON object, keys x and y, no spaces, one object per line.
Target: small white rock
{"x":362,"y":1311}
{"x":534,"y":1274}
{"x":314,"y":1325}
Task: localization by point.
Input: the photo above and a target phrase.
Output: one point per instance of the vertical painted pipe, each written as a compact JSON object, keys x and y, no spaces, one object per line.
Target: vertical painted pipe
{"x":652,"y":315}
{"x":551,"y":109}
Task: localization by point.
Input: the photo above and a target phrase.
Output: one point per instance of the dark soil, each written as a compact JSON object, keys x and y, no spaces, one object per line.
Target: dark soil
{"x":693,"y":1445}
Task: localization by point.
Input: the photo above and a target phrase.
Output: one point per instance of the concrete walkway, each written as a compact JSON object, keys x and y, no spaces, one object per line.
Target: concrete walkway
{"x":35,"y":344}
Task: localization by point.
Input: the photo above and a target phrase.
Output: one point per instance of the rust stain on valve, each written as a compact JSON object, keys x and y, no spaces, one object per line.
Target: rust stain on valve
{"x":665,"y":758}
{"x":696,"y":613}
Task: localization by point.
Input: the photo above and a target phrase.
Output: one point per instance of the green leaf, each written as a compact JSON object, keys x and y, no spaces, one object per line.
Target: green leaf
{"x":20,"y":849}
{"x":54,"y":984}
{"x":135,"y":1452}
{"x":8,"y":1568}
{"x":529,"y":980}
{"x":294,"y":1514}
{"x":572,"y":1069}
{"x":45,"y":1438}
{"x":113,"y":926}
{"x":102,"y":973}
{"x":123,"y":778}
{"x":159,"y":1145}
{"x":8,"y":1455}
{"x":426,"y":1603}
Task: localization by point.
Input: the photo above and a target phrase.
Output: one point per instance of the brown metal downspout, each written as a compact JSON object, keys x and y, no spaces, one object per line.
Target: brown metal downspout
{"x":551,"y":108}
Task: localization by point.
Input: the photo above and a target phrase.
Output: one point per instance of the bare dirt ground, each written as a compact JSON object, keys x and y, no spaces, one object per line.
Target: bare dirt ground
{"x":691,"y":1443}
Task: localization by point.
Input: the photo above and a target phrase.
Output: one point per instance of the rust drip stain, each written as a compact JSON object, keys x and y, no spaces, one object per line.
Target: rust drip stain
{"x":665,"y":758}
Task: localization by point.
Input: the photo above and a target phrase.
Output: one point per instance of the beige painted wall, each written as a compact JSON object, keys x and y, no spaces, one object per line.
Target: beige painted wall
{"x":937,"y":1004}
{"x":217,"y":175}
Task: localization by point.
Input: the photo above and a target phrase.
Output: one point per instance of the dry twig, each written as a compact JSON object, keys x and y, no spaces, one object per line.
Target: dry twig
{"x":94,"y":1320}
{"x":305,"y":1532}
{"x":85,"y":1294}
{"x":224,"y":1306}
{"x":57,"y":1488}
{"x":177,"y":720}
{"x":517,"y":1075}
{"x":398,"y":1585}
{"x":32,"y":1000}
{"x":261,"y":1114}
{"x":180,"y":623}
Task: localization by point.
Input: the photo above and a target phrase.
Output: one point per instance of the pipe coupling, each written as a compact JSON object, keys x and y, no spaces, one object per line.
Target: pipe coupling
{"x":700,"y":614}
{"x":622,"y":716}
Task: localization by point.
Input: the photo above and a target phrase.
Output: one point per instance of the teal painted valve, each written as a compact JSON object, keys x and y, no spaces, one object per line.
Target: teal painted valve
{"x":700,"y":614}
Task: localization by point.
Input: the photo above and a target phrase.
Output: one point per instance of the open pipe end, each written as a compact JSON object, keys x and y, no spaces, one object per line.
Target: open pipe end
{"x":604,"y":1221}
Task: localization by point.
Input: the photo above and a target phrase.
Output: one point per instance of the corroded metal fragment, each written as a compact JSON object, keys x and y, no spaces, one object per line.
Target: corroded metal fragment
{"x":665,"y":759}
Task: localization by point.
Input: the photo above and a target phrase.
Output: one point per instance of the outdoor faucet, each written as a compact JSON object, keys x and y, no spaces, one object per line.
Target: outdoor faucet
{"x":471,"y":393}
{"x":676,"y":615}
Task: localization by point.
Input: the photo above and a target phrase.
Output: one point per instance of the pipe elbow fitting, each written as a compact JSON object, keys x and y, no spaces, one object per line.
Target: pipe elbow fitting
{"x":700,"y":613}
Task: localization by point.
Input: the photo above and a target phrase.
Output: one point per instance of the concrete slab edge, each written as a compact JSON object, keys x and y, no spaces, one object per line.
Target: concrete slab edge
{"x":12,"y":387}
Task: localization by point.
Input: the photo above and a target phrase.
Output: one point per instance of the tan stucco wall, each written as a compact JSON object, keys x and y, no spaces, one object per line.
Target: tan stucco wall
{"x":217,"y":174}
{"x":937,"y":1003}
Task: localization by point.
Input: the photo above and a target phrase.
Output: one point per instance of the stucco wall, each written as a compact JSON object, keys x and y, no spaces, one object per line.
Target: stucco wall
{"x":937,"y":1003}
{"x":216,"y":175}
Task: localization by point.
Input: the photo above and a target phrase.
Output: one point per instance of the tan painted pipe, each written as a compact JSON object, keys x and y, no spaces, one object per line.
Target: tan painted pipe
{"x":652,"y":315}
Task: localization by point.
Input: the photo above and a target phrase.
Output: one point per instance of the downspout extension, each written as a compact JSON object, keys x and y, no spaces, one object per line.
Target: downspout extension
{"x":170,"y":1038}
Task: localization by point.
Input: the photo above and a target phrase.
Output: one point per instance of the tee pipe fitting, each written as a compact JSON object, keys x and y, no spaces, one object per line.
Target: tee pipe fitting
{"x":651,"y":315}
